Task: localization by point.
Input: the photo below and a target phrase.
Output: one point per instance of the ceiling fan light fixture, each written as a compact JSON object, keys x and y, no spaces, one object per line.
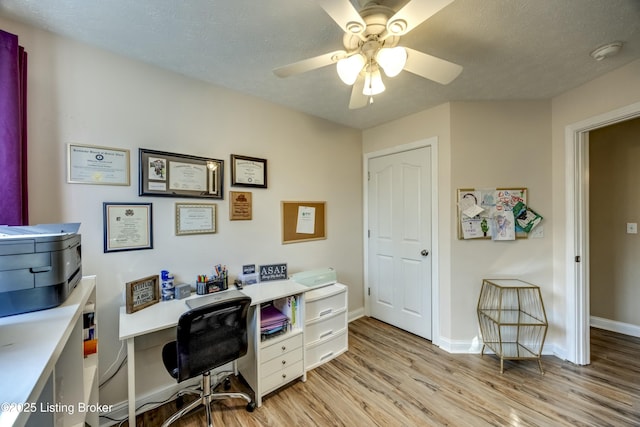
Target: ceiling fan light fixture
{"x":392,"y":60}
{"x":397,"y":27}
{"x":354,"y":27}
{"x":349,"y":68}
{"x":373,"y":83}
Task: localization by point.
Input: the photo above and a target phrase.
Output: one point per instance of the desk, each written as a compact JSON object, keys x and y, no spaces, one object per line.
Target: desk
{"x":38,"y":350}
{"x":165,"y":314}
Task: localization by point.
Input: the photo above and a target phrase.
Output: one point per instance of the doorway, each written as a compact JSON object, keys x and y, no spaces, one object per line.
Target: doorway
{"x":577,"y":229}
{"x":399,"y":262}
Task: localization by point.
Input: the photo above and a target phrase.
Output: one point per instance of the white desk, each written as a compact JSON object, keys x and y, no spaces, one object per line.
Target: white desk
{"x":33,"y":348}
{"x":165,"y":314}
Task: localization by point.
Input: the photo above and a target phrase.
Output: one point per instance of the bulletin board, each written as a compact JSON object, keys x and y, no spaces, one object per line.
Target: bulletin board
{"x":493,"y":201}
{"x":303,"y":221}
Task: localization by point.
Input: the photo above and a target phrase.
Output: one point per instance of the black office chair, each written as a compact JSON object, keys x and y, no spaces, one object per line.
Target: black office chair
{"x":208,"y":337}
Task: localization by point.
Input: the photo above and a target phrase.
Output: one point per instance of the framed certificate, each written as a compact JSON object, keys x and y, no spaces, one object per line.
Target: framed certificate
{"x":195,"y":218}
{"x":179,"y":175}
{"x":127,"y":226}
{"x":248,"y":171}
{"x":91,"y":164}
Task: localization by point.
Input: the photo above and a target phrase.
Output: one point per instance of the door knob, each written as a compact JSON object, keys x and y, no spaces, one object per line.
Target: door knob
{"x":424,"y":252}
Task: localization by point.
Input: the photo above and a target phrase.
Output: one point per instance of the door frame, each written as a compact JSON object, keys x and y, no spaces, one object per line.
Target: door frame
{"x":434,"y":253}
{"x":577,"y":229}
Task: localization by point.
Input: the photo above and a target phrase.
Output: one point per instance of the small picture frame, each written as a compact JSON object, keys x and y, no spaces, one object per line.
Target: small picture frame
{"x":248,"y":171}
{"x":179,"y":175}
{"x":127,"y":226}
{"x":142,"y":293}
{"x":195,"y":218}
{"x":240,"y":205}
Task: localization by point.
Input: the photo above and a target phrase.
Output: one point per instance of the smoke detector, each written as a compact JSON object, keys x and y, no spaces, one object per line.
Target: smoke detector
{"x":606,"y":51}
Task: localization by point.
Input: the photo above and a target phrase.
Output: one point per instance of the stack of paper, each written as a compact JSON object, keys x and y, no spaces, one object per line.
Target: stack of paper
{"x":272,"y":321}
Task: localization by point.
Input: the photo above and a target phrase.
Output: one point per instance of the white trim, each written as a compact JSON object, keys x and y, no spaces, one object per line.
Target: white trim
{"x":615,"y":326}
{"x":431,"y":142}
{"x":577,"y":229}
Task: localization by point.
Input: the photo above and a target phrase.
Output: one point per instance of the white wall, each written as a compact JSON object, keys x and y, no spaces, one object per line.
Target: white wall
{"x":84,"y":95}
{"x":500,"y":144}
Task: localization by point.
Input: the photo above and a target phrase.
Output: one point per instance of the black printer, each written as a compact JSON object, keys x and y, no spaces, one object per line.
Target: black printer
{"x":39,"y":266}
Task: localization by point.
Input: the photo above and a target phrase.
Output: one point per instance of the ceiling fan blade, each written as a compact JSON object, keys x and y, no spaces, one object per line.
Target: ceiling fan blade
{"x":413,"y":14}
{"x":358,"y":99}
{"x":310,"y":64}
{"x":431,"y":67}
{"x":345,"y":15}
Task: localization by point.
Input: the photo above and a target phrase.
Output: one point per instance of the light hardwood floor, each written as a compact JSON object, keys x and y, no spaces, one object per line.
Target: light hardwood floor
{"x":392,"y":378}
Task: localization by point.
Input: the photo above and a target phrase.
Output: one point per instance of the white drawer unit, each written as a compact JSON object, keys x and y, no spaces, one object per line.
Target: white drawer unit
{"x":322,"y":351}
{"x":326,"y":334}
{"x":276,"y":360}
{"x":281,"y":362}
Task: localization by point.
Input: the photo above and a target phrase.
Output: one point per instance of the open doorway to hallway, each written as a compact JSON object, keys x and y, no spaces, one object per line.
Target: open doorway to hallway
{"x":614,"y":214}
{"x":577,"y":229}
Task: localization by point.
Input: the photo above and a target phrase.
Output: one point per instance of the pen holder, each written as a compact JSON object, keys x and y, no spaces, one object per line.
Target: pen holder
{"x":211,"y":286}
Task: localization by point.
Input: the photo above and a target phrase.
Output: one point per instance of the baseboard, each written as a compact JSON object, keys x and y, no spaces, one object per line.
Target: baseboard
{"x":157,"y":397}
{"x":356,"y":314}
{"x":615,"y":326}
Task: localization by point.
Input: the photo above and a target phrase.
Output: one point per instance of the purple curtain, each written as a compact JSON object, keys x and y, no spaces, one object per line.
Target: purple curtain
{"x":13,"y":131}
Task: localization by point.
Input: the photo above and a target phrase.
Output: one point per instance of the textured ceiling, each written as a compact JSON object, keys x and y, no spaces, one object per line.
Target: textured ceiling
{"x":510,"y":49}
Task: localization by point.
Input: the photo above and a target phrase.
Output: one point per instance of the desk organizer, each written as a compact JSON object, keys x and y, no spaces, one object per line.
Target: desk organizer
{"x":211,"y":286}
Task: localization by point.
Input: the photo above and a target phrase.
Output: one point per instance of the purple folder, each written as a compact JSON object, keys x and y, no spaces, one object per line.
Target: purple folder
{"x":270,"y":317}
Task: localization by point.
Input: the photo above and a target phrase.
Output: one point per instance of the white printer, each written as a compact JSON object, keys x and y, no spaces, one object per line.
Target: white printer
{"x":39,"y":266}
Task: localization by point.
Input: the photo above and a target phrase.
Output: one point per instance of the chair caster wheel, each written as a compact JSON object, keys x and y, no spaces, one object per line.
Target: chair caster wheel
{"x":251,"y":406}
{"x":227,"y":384}
{"x":179,"y":402}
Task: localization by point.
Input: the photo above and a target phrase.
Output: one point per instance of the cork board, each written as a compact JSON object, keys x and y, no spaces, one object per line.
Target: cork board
{"x":303,"y":221}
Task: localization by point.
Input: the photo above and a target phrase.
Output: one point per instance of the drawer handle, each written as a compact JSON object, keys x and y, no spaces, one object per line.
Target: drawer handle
{"x":325,"y":312}
{"x":284,"y":375}
{"x":326,"y":334}
{"x":284,"y":348}
{"x":284,"y":362}
{"x":327,"y":355}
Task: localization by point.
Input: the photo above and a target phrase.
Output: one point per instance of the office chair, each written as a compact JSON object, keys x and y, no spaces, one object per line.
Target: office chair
{"x":208,"y":337}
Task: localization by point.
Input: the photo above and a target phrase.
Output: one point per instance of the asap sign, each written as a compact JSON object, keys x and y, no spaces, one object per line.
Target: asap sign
{"x":273,"y":272}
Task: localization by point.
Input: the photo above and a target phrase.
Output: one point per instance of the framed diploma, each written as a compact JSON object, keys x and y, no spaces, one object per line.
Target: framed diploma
{"x":127,"y":226}
{"x":240,"y":205}
{"x":142,"y":293}
{"x":91,"y":164}
{"x":195,"y":218}
{"x":248,"y":171}
{"x":179,"y":175}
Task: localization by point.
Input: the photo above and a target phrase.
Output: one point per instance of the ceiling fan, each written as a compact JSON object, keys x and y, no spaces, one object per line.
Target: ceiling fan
{"x":371,"y":43}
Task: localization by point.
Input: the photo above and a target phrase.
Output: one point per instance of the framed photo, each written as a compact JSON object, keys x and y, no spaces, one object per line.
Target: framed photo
{"x":92,"y":164}
{"x":240,"y":205}
{"x":127,"y":226}
{"x":195,"y":218}
{"x":179,"y":175}
{"x":248,"y":171}
{"x":142,"y":293}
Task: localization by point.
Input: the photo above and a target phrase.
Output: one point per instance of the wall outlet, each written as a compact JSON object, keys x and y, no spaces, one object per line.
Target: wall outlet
{"x":632,"y":228}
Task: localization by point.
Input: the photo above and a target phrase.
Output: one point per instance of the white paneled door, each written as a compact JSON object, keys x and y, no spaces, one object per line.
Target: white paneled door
{"x":399,"y":212}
